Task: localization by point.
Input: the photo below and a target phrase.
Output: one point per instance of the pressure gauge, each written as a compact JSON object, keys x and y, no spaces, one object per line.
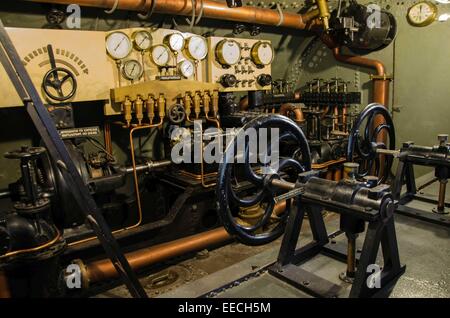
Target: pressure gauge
{"x":196,"y":48}
{"x":174,"y":41}
{"x":142,"y":40}
{"x":262,"y":53}
{"x":422,"y":14}
{"x":160,"y":55}
{"x":118,"y":45}
{"x":132,"y":70}
{"x":228,"y":52}
{"x":186,"y":68}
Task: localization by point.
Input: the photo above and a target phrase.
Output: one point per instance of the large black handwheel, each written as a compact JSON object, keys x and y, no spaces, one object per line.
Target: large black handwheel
{"x":242,"y":185}
{"x":373,"y":130}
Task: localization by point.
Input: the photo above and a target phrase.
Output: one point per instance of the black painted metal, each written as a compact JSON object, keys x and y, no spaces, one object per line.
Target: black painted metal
{"x":47,"y":130}
{"x":412,"y":155}
{"x":351,"y":199}
{"x":226,"y":195}
{"x":364,"y":148}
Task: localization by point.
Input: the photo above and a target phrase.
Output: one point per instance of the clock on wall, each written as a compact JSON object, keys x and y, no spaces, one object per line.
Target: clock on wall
{"x":422,"y":14}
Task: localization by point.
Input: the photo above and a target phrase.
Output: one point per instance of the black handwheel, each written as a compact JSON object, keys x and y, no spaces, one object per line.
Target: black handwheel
{"x":242,"y":186}
{"x":364,"y":141}
{"x":53,"y":83}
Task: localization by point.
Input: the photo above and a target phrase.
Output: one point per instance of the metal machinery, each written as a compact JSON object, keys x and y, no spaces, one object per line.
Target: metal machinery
{"x":411,"y":155}
{"x":358,"y":203}
{"x":163,"y":90}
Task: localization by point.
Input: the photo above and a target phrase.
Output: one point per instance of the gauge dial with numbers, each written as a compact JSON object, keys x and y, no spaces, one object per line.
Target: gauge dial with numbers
{"x":142,"y":40}
{"x":132,"y":70}
{"x":118,"y":45}
{"x":228,"y":52}
{"x":160,"y":55}
{"x":186,"y":68}
{"x":196,"y":48}
{"x":422,"y":14}
{"x":174,"y":41}
{"x":262,"y":53}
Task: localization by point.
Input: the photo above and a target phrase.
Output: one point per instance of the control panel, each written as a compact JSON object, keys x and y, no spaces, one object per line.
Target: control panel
{"x":143,"y":54}
{"x":133,"y":61}
{"x":240,"y":64}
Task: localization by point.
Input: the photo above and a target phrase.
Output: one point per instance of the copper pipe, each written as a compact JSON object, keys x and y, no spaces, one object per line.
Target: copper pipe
{"x":329,"y":175}
{"x":4,"y":286}
{"x":211,"y":9}
{"x":441,"y":200}
{"x":287,"y":108}
{"x":336,"y":118}
{"x":33,"y":249}
{"x":103,"y":269}
{"x":107,"y":136}
{"x":337,"y":175}
{"x":243,"y":104}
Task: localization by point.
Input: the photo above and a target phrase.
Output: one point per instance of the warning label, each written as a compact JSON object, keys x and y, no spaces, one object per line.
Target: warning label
{"x":79,"y":132}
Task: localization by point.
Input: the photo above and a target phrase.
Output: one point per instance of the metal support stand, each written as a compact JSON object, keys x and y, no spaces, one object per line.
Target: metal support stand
{"x":435,"y":157}
{"x":381,"y":232}
{"x":58,"y":152}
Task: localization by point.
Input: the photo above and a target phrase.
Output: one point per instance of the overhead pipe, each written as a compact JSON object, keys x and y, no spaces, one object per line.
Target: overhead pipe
{"x":211,"y":9}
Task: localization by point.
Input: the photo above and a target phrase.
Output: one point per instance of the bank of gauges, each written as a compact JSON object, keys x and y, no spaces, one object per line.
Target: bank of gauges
{"x":119,"y":46}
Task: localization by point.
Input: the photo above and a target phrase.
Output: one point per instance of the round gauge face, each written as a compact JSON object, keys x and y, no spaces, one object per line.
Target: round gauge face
{"x":142,"y":40}
{"x":228,"y":52}
{"x":160,"y":55}
{"x":175,"y":41}
{"x":197,"y":48}
{"x":422,"y":14}
{"x":186,"y":68}
{"x":118,"y":45}
{"x":262,"y":53}
{"x":132,"y":70}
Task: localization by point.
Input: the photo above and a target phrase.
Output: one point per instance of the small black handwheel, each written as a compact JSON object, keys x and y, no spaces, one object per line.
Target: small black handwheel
{"x":54,"y":84}
{"x":177,"y":114}
{"x":247,"y":204}
{"x":365,"y":141}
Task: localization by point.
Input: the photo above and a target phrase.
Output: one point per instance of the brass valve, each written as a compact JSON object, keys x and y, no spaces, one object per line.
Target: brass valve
{"x":324,"y":13}
{"x":215,"y":102}
{"x":206,"y":103}
{"x":139,"y":109}
{"x":197,"y":104}
{"x":162,"y":106}
{"x":151,"y":109}
{"x":187,"y":104}
{"x":127,"y":111}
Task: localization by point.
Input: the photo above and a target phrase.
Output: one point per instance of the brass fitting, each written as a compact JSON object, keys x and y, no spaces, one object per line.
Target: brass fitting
{"x":151,"y":108}
{"x":324,"y":13}
{"x":127,"y":111}
{"x":139,"y":109}
{"x":161,"y":106}
{"x":215,"y":102}
{"x":197,"y":104}
{"x":206,"y":103}
{"x":187,"y":100}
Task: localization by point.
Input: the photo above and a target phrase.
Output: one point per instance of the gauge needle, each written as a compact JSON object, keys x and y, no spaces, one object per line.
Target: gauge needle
{"x":132,"y":70}
{"x":118,"y":45}
{"x":145,"y":38}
